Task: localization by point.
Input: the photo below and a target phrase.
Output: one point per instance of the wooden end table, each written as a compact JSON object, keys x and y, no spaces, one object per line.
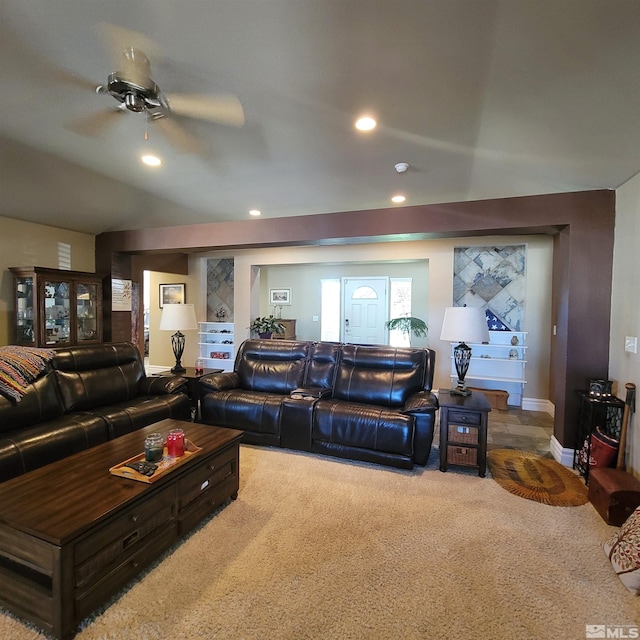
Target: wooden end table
{"x":193,"y":388}
{"x":463,"y":430}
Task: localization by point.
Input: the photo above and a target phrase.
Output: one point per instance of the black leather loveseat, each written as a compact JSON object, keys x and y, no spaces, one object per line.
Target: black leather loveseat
{"x":371,"y":403}
{"x":87,"y":395}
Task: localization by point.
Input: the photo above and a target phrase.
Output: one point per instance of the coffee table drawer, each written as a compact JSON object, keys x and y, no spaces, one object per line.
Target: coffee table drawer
{"x":124,"y":570}
{"x":205,"y":504}
{"x":110,"y":540}
{"x":211,"y":473}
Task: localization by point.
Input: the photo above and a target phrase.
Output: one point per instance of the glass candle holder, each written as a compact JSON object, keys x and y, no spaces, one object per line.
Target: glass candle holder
{"x":175,"y":443}
{"x":153,"y":447}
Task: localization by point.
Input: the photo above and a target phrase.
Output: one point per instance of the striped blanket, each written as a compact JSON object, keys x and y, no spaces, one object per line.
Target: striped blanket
{"x":19,"y":367}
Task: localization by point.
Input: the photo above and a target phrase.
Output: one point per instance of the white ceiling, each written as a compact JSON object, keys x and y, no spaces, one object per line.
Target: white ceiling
{"x":482,"y":98}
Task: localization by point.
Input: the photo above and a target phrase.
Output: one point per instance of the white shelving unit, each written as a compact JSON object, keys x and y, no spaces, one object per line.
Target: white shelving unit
{"x":500,"y":364}
{"x":217,"y":345}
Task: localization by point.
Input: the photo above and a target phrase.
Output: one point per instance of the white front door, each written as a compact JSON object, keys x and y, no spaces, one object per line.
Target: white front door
{"x":366,"y":309}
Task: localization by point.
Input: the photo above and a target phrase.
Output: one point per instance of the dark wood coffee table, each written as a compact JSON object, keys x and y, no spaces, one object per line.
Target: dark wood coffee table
{"x":72,"y":534}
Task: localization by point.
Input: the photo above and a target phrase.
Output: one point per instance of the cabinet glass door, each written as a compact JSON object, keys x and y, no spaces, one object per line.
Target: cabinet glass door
{"x":57,"y":307}
{"x":24,"y":309}
{"x":87,"y":311}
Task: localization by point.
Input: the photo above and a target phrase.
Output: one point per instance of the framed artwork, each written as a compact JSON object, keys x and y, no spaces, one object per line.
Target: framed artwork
{"x":172,"y":294}
{"x":121,"y":294}
{"x":279,"y":296}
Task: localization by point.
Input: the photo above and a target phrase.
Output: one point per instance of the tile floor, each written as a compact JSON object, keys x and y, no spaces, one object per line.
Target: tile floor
{"x":519,"y":429}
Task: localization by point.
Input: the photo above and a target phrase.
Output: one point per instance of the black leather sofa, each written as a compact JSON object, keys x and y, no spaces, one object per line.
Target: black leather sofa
{"x":370,"y":403}
{"x":87,"y":395}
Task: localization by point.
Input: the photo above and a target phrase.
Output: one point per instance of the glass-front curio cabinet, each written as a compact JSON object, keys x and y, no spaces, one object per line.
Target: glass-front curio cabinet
{"x":57,"y":307}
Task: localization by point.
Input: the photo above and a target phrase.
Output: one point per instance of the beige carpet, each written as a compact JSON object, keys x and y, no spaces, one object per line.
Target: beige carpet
{"x":319,"y":548}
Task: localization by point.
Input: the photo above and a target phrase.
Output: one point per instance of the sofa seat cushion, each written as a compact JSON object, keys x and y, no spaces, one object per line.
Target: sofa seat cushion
{"x":245,"y":410}
{"x":363,"y":426}
{"x":32,"y":447}
{"x":125,"y":417}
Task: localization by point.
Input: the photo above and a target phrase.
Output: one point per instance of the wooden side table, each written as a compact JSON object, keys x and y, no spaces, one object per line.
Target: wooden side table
{"x":463,"y":430}
{"x":193,"y":388}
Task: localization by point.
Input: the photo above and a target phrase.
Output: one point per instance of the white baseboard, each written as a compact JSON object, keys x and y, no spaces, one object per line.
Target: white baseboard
{"x":536,"y":404}
{"x":561,"y":454}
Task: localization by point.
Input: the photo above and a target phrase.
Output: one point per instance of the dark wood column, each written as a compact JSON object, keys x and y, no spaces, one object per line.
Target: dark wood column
{"x":121,"y":325}
{"x":582,"y":224}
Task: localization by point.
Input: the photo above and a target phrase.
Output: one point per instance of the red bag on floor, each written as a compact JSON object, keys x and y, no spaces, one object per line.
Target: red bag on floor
{"x":604,"y":450}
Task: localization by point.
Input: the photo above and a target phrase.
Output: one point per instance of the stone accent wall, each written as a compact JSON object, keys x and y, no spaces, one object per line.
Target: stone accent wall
{"x":492,"y":278}
{"x":220,"y":290}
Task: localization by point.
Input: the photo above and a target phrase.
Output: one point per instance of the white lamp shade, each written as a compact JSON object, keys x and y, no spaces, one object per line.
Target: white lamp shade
{"x":178,"y":317}
{"x":464,"y":324}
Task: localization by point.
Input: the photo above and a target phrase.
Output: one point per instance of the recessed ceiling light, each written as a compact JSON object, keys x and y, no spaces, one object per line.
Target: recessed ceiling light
{"x":151,"y":160}
{"x":398,"y":198}
{"x":366,"y":123}
{"x":255,"y":212}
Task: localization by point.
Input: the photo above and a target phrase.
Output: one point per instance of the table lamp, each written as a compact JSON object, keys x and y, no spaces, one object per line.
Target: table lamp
{"x":463,"y":324}
{"x":178,"y":318}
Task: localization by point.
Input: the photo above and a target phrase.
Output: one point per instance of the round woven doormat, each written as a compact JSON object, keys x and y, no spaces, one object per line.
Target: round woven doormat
{"x":536,"y":478}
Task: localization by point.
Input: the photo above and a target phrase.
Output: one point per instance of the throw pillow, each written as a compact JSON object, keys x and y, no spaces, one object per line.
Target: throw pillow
{"x":623,"y":550}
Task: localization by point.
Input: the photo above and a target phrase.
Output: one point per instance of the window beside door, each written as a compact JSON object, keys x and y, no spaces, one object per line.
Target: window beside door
{"x":331,"y":294}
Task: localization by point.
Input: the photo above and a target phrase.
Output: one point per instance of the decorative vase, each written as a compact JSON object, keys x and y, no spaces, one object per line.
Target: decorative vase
{"x":265,"y":336}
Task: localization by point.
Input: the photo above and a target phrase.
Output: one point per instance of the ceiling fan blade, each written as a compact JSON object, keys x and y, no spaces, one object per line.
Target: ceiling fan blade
{"x":96,"y":123}
{"x":120,"y":40}
{"x":221,"y":109}
{"x":179,"y":137}
{"x":71,"y":79}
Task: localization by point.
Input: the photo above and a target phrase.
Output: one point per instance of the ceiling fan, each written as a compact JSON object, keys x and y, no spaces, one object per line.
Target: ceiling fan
{"x":134,"y":89}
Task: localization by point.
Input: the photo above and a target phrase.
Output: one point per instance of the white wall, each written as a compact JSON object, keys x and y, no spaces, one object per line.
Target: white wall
{"x":25,"y":244}
{"x":625,"y":305}
{"x":250,"y":301}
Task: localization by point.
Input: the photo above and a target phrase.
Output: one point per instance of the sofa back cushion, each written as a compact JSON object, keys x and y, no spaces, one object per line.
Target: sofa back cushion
{"x":380,"y":375}
{"x":40,"y":403}
{"x":272,"y":366}
{"x":98,"y":375}
{"x":323,"y":361}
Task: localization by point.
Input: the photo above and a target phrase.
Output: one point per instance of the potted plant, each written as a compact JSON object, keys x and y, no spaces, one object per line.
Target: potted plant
{"x":408,"y":325}
{"x":266,"y":326}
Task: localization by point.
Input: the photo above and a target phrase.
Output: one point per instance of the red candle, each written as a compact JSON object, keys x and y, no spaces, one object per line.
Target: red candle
{"x":175,"y":443}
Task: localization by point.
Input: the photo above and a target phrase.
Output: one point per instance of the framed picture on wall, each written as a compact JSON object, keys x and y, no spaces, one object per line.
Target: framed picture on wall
{"x":279,"y":296}
{"x":172,"y":294}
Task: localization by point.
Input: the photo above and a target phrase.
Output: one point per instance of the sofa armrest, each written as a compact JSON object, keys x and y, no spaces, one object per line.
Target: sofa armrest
{"x":422,"y":406}
{"x":219,"y":381}
{"x":161,"y":385}
{"x":422,"y":402}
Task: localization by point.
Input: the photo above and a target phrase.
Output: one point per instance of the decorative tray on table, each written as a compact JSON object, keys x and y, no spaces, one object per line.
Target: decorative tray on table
{"x":136,"y":468}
